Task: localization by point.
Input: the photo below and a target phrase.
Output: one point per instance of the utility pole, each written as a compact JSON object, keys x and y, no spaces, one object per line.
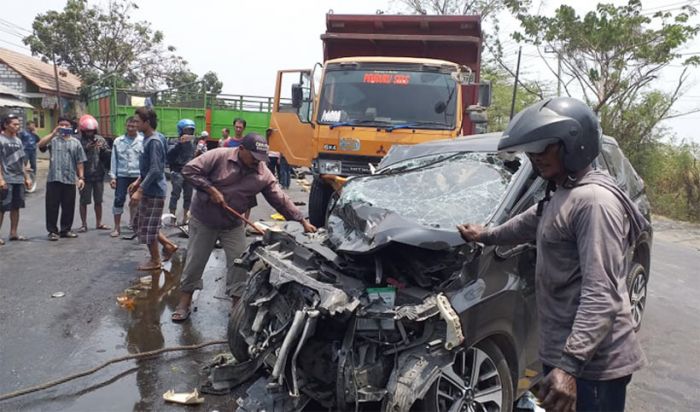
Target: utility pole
{"x":58,"y":86}
{"x":515,"y":85}
{"x":558,"y":74}
{"x":553,"y":50}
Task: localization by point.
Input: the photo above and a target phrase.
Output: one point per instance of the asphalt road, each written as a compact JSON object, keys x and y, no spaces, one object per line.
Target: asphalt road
{"x":44,"y":338}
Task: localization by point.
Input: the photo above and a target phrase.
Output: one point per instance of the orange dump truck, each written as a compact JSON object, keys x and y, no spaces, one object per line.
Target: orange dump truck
{"x":385,"y":79}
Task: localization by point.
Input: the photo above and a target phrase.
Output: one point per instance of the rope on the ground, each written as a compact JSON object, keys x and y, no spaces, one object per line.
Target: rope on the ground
{"x":142,"y":355}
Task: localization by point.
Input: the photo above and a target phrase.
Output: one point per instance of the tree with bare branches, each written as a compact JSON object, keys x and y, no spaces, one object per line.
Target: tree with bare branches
{"x":612,"y":55}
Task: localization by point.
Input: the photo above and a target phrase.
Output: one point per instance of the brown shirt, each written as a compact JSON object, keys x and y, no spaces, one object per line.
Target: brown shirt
{"x":238,"y":184}
{"x":582,"y":302}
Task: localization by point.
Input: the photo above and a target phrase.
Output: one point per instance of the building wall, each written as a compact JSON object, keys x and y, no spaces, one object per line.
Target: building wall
{"x":12,"y":79}
{"x":44,"y":118}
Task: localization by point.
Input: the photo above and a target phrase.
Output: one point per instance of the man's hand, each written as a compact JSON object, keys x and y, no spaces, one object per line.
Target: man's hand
{"x":215,"y":196}
{"x":133,"y":187}
{"x":470,"y":233}
{"x":81,"y":184}
{"x":3,"y":184}
{"x":186,"y":138}
{"x":558,"y":392}
{"x":27,"y":183}
{"x":136,"y":196}
{"x":113,"y":183}
{"x":308,"y":227}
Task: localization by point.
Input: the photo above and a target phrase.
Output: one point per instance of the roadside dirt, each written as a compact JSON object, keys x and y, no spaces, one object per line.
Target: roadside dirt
{"x":676,"y":231}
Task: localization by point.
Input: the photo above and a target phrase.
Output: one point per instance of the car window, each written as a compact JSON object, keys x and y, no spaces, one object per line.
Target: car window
{"x":635,"y":184}
{"x":613,"y":157}
{"x":621,"y":169}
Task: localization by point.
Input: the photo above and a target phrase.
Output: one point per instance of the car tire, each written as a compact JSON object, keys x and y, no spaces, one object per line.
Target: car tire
{"x":319,"y":197}
{"x":238,"y":345}
{"x":637,"y":290}
{"x":492,"y":368}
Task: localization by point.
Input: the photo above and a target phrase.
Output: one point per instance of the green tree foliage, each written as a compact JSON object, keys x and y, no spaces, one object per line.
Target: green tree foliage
{"x":613,"y":54}
{"x":485,"y":8}
{"x":502,"y":95}
{"x":106,"y":46}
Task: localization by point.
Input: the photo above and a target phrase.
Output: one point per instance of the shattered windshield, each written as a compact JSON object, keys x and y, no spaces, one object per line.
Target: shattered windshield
{"x":435,"y":191}
{"x":394,"y":98}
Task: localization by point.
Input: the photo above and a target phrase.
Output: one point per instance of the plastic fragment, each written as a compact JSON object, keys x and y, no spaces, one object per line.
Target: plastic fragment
{"x":191,"y":398}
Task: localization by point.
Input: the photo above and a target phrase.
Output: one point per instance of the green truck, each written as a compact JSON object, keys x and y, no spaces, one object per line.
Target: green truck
{"x":111,"y":107}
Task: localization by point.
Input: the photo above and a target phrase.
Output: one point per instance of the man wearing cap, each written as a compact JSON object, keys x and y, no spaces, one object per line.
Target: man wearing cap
{"x":230,"y":177}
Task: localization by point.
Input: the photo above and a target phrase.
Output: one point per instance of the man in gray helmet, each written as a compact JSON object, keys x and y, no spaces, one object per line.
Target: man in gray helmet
{"x":583,"y":231}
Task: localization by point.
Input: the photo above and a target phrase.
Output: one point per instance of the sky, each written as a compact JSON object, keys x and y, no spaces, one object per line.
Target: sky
{"x":246,"y":42}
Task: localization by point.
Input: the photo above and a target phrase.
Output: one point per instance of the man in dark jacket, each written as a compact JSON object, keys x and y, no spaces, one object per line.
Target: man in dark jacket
{"x":178,"y":155}
{"x":96,"y":166}
{"x":583,"y":231}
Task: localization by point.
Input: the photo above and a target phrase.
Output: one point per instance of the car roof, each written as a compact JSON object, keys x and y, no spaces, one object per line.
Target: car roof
{"x":484,"y":143}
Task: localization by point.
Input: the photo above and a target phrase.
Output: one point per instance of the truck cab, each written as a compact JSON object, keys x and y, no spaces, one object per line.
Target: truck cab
{"x":385,"y":80}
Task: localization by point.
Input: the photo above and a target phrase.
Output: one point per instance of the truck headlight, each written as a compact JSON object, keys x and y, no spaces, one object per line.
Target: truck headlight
{"x":330,"y":167}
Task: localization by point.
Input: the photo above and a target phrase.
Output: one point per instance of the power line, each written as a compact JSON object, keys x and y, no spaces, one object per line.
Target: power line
{"x":14,"y":26}
{"x":11,"y":33}
{"x":666,"y":6}
{"x":15,"y":44}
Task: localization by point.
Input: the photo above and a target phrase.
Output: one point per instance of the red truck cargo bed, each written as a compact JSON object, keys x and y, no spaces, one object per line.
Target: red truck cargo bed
{"x":452,"y":38}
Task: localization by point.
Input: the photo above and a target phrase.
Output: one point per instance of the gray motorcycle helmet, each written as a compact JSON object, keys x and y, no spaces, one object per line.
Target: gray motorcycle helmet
{"x":559,"y":119}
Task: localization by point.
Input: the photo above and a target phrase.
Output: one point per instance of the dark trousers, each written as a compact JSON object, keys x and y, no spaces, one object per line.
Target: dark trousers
{"x":120,"y":194}
{"x":284,"y":173}
{"x":31,"y":158}
{"x":59,"y":196}
{"x":600,"y":396}
{"x":180,"y":185}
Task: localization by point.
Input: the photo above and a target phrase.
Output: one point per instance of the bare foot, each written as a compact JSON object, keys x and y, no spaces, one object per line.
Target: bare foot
{"x":149,"y":265}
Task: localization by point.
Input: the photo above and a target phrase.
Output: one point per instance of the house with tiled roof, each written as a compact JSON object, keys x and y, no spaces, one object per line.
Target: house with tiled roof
{"x":33,"y":82}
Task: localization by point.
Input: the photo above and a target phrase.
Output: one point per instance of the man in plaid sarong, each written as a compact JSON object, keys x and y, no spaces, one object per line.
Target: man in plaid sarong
{"x":149,"y":190}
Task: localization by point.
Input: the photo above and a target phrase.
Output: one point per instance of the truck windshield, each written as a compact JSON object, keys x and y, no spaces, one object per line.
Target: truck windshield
{"x":391,"y":99}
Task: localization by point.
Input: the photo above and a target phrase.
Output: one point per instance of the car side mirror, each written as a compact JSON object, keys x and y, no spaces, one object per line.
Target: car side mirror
{"x":485,"y":93}
{"x":297,"y":95}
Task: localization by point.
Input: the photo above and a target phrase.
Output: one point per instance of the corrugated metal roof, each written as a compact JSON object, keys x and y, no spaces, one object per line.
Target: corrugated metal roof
{"x":40,"y":73}
{"x":9,"y":101}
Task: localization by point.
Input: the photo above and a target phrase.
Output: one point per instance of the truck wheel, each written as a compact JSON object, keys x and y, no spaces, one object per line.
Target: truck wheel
{"x":319,"y":197}
{"x":238,"y":345}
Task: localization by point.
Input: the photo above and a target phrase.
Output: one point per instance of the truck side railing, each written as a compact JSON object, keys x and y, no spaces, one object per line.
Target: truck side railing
{"x":112,"y":106}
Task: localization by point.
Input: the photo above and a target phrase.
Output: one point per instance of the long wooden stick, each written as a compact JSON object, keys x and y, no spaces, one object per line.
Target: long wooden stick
{"x":240,"y":216}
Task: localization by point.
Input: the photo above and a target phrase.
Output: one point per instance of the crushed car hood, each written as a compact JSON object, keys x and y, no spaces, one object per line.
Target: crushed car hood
{"x":366,"y":229}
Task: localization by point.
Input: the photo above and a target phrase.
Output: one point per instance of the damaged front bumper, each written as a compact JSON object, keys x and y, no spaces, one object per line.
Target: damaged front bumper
{"x":333,"y":338}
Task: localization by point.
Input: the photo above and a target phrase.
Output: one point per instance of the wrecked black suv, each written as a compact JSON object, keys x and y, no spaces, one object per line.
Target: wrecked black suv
{"x":389,"y":309}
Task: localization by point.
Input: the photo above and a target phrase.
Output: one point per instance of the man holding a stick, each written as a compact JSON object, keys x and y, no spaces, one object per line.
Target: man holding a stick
{"x":224,"y":180}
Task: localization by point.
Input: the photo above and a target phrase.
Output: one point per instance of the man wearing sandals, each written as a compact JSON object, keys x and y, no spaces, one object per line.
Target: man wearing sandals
{"x":13,"y":177}
{"x":98,"y":154}
{"x":230,"y":177}
{"x":65,"y":166}
{"x":149,"y":190}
